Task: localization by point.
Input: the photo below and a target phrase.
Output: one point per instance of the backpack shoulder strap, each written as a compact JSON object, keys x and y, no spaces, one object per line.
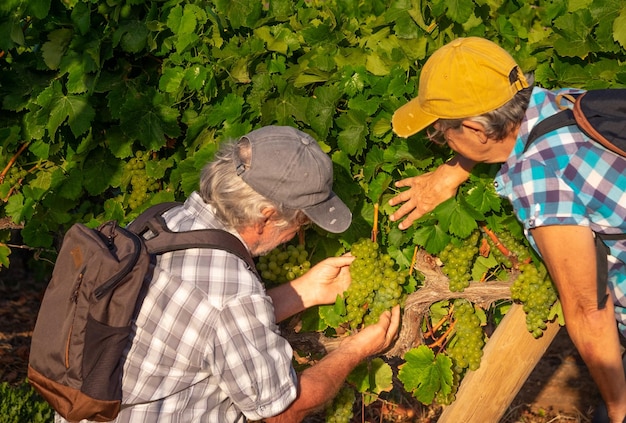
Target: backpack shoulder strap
{"x":558,"y":120}
{"x":552,"y":123}
{"x":138,"y":225}
{"x":166,"y":240}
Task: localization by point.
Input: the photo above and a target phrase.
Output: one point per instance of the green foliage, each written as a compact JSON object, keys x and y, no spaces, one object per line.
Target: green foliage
{"x":426,"y":374}
{"x":85,"y":85}
{"x":89,"y":88}
{"x":22,"y":404}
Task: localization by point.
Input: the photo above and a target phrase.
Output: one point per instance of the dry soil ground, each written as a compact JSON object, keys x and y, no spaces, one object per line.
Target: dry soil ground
{"x":558,"y":390}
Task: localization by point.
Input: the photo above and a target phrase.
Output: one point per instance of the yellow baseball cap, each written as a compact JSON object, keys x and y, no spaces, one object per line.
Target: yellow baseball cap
{"x":466,"y":77}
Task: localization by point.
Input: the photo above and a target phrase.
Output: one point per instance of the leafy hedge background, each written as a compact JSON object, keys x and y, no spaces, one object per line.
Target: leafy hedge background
{"x":109,"y":106}
{"x":90,"y":87}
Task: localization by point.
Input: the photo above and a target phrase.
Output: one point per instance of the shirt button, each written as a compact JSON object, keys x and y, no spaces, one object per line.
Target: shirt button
{"x":495,"y":184}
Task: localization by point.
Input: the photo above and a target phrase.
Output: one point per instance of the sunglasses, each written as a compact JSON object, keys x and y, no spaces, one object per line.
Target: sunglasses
{"x":439,"y":137}
{"x":435,"y":135}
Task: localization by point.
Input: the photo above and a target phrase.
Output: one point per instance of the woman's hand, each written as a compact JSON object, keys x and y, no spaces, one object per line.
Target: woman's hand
{"x":427,"y":191}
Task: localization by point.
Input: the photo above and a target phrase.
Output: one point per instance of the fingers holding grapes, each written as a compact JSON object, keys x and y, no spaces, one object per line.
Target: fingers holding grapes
{"x":378,"y":337}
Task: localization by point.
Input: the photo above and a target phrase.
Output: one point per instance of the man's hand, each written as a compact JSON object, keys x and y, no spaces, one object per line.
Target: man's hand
{"x":429,"y":190}
{"x":327,"y":279}
{"x":376,"y":338}
{"x":320,"y":285}
{"x":320,"y":383}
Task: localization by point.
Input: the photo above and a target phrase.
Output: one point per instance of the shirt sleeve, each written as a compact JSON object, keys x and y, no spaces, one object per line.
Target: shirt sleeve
{"x":543,"y":198}
{"x":254,"y":361}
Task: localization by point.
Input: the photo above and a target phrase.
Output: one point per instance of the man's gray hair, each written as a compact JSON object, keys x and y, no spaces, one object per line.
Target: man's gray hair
{"x":236,"y":204}
{"x":498,"y":123}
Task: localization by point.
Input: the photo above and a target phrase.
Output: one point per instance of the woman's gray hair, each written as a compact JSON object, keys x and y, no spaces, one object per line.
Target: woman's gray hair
{"x":498,"y":123}
{"x":236,"y":204}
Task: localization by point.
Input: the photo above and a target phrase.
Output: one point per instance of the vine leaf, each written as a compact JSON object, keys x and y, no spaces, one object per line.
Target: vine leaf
{"x":76,"y":109}
{"x":457,"y":216}
{"x":432,"y":237}
{"x":425,"y":374}
{"x":576,"y":29}
{"x":373,"y":376}
{"x":619,"y":28}
{"x":354,"y":130}
{"x":53,"y":49}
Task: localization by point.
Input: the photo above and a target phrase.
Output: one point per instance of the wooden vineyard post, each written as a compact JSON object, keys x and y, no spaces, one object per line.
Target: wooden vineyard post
{"x":509,"y":357}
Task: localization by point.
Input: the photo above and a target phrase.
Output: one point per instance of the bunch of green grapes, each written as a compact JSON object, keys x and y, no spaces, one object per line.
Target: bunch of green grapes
{"x":535,"y":290}
{"x":284,"y":264}
{"x":340,"y":409}
{"x":140,"y":183}
{"x":376,"y":284}
{"x":457,"y":261}
{"x":15,"y":175}
{"x":467,"y":348}
{"x":442,"y":398}
{"x":516,"y":247}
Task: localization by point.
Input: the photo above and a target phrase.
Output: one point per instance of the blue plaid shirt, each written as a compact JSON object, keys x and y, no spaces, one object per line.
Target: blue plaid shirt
{"x":566,"y":179}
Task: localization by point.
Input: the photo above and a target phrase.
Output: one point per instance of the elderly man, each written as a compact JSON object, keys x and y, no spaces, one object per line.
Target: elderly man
{"x":564,"y":188}
{"x":205,"y":345}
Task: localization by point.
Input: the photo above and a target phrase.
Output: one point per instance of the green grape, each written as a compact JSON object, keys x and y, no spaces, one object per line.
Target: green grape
{"x":466,"y":349}
{"x":340,"y":409}
{"x":141,"y":185}
{"x":457,"y":261}
{"x":535,"y":290}
{"x":376,"y":285}
{"x":284,"y":264}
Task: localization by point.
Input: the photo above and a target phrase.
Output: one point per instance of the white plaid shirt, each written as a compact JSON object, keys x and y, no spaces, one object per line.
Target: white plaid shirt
{"x":205,"y":346}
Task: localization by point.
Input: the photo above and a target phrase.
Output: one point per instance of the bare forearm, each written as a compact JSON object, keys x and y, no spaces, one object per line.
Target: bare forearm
{"x":287,"y":301}
{"x":597,"y":340}
{"x":319,"y":385}
{"x":320,"y":285}
{"x":461,"y":167}
{"x":321,"y":382}
{"x":593,"y":331}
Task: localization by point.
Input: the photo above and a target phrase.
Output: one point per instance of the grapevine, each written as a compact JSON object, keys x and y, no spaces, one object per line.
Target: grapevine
{"x":284,"y":264}
{"x":457,"y":261}
{"x":176,"y":78}
{"x":376,"y":284}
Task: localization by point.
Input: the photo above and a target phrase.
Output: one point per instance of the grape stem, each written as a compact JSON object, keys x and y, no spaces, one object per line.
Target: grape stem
{"x":6,"y":169}
{"x":443,"y":339}
{"x":413,"y":260}
{"x":507,"y":253}
{"x":375,"y":227}
{"x":431,"y":331}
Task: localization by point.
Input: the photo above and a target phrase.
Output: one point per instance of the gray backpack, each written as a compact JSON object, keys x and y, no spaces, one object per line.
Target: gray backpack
{"x":84,"y":322}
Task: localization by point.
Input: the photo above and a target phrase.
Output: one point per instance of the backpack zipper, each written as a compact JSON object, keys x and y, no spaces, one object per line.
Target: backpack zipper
{"x":73,"y":299}
{"x":103,"y":289}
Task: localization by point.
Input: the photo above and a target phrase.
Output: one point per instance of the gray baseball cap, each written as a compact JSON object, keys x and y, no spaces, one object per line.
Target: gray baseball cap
{"x":289,"y":167}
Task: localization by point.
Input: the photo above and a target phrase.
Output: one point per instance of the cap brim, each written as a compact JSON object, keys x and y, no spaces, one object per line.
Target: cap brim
{"x":331,"y":215}
{"x":410,"y":119}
